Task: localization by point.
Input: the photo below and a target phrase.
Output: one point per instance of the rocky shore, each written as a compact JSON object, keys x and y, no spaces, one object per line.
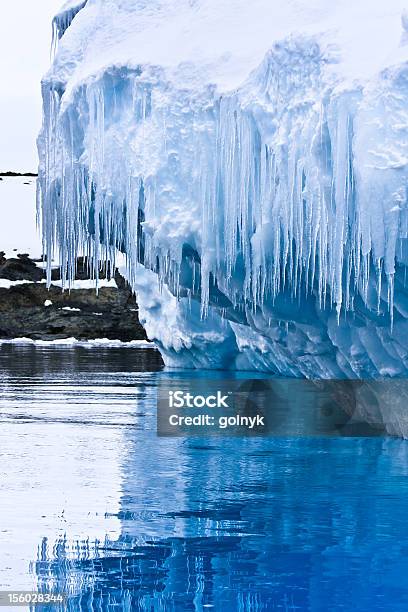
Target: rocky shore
{"x":31,"y":310}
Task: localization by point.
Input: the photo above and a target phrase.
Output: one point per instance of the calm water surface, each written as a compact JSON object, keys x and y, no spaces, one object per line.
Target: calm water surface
{"x":93,"y":504}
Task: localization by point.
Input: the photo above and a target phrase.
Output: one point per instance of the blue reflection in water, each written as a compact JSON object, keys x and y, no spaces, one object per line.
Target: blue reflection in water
{"x":228,"y":524}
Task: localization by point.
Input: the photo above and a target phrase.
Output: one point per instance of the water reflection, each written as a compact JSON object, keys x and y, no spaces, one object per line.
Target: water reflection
{"x":311,"y":525}
{"x":175,"y":524}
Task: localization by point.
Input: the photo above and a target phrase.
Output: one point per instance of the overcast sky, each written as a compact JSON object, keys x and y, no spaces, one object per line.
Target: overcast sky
{"x":25,"y":37}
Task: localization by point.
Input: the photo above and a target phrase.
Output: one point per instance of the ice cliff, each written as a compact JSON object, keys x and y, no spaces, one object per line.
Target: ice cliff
{"x":251,"y":161}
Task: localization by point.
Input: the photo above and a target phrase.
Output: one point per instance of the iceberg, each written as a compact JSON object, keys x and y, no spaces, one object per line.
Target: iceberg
{"x":250,"y":160}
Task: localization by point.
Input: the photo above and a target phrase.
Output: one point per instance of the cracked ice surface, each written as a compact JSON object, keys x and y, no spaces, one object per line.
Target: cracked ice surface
{"x":250,"y":159}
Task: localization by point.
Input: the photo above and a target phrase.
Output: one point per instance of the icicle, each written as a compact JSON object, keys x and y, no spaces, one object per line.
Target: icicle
{"x":269,"y":187}
{"x":62,"y":22}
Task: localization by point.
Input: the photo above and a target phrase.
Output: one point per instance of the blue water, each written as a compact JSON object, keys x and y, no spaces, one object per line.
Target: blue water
{"x":95,"y":505}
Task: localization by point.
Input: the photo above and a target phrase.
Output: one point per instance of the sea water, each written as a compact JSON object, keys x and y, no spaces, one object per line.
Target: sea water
{"x":94,"y":505}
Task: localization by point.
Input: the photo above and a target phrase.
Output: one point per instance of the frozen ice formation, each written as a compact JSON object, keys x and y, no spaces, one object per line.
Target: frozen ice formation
{"x":63,"y":20}
{"x":251,"y":161}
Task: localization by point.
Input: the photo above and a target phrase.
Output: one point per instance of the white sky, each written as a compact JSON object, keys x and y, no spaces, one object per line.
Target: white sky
{"x":25,"y":38}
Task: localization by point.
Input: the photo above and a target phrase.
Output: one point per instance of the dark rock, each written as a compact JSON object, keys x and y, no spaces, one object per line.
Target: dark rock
{"x":121,"y":282}
{"x":20,"y":268}
{"x":83,"y":271}
{"x":112,"y":313}
{"x":31,"y":174}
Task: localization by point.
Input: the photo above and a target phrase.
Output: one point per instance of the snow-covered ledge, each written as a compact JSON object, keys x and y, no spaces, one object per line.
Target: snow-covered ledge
{"x":63,"y":20}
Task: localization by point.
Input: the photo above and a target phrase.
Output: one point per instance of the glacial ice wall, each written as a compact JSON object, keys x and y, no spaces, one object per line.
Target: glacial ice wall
{"x":251,"y":163}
